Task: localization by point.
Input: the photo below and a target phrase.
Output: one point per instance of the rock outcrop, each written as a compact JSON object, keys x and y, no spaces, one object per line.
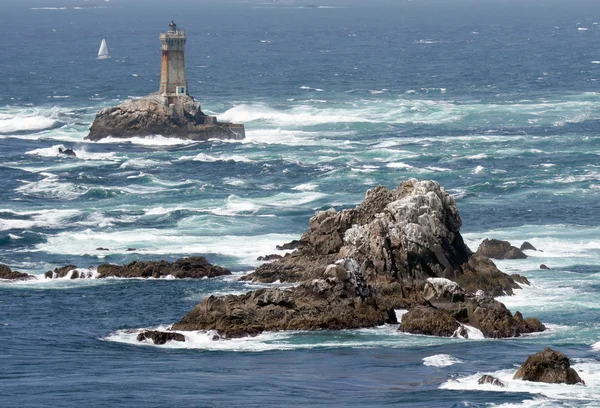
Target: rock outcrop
{"x":160,"y":337}
{"x":339,"y":299}
{"x":195,"y":267}
{"x":449,"y":306}
{"x":9,"y":274}
{"x":180,"y":117}
{"x":526,"y":246}
{"x":548,"y":366}
{"x":496,"y":249}
{"x":399,"y":238}
{"x":489,"y":379}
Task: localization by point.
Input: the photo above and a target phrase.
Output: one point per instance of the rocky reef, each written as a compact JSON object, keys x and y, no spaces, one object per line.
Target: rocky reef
{"x":357,"y":265}
{"x":178,"y":117}
{"x":8,"y":274}
{"x":195,"y":267}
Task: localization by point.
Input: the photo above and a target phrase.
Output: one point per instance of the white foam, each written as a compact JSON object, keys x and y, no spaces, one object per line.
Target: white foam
{"x":139,"y":163}
{"x":306,"y":187}
{"x":54,"y":151}
{"x":478,"y":170}
{"x":50,"y":187}
{"x":148,"y":141}
{"x":441,"y":360}
{"x":25,"y":123}
{"x":203,"y":157}
{"x":589,"y":371}
{"x":479,"y":156}
{"x":38,"y":219}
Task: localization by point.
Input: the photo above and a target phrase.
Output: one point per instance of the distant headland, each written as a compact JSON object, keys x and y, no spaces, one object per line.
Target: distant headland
{"x":170,"y":112}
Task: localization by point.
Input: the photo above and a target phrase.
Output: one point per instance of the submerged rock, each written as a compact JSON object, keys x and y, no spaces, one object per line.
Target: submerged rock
{"x":9,"y":274}
{"x":496,"y":249}
{"x":488,"y":379}
{"x":62,"y":272}
{"x":193,"y":267}
{"x":339,"y":299}
{"x":181,"y":118}
{"x":160,"y":337}
{"x":543,"y":266}
{"x":548,"y":366}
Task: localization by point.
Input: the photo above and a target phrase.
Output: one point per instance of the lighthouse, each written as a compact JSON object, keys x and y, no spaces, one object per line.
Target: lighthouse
{"x":173,"y":80}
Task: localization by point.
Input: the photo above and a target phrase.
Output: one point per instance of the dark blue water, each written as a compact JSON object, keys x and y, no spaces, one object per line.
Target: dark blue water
{"x":498,"y":101}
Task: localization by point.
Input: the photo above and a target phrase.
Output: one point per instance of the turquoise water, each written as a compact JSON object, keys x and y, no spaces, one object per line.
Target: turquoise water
{"x":498,"y":102}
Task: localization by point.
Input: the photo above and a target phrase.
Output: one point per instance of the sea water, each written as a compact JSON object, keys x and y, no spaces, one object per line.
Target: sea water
{"x":496,"y":100}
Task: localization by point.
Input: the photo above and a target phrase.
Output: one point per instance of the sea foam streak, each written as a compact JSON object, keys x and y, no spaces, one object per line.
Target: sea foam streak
{"x":441,"y":360}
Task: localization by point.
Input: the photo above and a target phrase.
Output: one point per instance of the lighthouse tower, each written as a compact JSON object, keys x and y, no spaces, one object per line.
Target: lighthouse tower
{"x":173,"y":81}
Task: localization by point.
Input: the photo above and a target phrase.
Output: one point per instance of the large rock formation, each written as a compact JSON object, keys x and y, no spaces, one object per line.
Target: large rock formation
{"x":338,"y":299}
{"x":548,"y":366}
{"x":396,"y":240}
{"x":195,"y":267}
{"x":399,"y":238}
{"x":9,"y":274}
{"x":181,"y":117}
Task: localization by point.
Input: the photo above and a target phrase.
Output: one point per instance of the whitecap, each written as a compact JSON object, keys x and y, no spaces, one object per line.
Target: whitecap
{"x":441,"y":360}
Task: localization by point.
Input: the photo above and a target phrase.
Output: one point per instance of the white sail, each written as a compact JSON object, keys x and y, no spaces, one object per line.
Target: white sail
{"x":103,"y":52}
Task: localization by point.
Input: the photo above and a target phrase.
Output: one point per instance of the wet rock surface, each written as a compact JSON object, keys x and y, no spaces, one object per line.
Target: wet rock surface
{"x":548,"y":366}
{"x":489,"y":379}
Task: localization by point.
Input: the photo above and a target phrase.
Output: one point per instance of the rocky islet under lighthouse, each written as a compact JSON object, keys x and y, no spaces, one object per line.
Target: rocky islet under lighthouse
{"x":171,"y":112}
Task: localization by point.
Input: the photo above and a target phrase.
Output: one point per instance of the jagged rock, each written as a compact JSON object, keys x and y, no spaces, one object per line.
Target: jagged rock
{"x":526,"y":246}
{"x":62,"y":272}
{"x":480,"y":311}
{"x":400,"y":239}
{"x":430,"y":321}
{"x":548,"y":366}
{"x":159,"y":337}
{"x":488,"y":379}
{"x":193,"y":267}
{"x":520,"y":279}
{"x":9,"y":274}
{"x":67,"y":152}
{"x":295,"y":244}
{"x":181,"y":118}
{"x":496,"y":249}
{"x":339,"y":299}
{"x":543,"y":266}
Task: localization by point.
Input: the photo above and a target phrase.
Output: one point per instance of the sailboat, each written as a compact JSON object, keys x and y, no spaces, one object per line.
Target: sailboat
{"x":103,"y":51}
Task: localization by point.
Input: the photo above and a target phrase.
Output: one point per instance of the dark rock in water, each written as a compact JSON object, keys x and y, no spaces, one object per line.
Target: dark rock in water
{"x":481,"y":273}
{"x":131,"y":249}
{"x":159,"y":337}
{"x":9,"y":274}
{"x":179,"y":117}
{"x":295,"y":244}
{"x":480,"y":311}
{"x":496,"y":249}
{"x":67,"y":152}
{"x":62,"y":272}
{"x":520,"y":279}
{"x":526,"y":246}
{"x":193,"y":267}
{"x":488,"y":379}
{"x":428,"y":320}
{"x":548,"y":366}
{"x":271,"y":257}
{"x":543,"y":266}
{"x":339,"y":299}
{"x":102,"y":249}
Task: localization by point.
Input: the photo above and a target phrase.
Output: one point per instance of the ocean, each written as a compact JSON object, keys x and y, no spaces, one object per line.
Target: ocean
{"x":497,"y":100}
